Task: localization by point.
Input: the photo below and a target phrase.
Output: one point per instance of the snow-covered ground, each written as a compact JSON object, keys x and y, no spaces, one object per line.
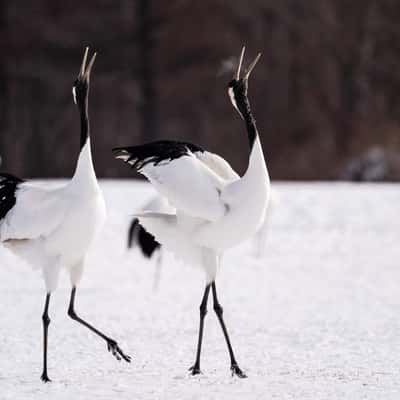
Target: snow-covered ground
{"x":317,"y":318}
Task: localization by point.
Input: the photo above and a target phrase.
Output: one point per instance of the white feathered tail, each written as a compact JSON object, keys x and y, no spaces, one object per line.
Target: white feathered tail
{"x":164,"y":228}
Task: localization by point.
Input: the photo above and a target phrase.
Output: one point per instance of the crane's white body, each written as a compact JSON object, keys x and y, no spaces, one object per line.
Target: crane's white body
{"x":260,"y":240}
{"x":215,"y":208}
{"x":158,"y":204}
{"x":52,"y":228}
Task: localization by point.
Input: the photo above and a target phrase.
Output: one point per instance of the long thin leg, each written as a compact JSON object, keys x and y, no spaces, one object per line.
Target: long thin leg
{"x":219,"y":311}
{"x":111,"y":344}
{"x":46,"y":322}
{"x":195,"y":369}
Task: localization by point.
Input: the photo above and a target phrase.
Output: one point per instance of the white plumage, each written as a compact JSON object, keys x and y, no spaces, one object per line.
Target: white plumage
{"x":215,"y":208}
{"x":51,"y":228}
{"x":260,"y":240}
{"x":202,"y":186}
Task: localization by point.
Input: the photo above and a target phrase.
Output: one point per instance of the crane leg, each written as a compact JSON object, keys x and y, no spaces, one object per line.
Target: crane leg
{"x":111,"y":344}
{"x":46,"y":322}
{"x":195,"y":369}
{"x":219,"y":311}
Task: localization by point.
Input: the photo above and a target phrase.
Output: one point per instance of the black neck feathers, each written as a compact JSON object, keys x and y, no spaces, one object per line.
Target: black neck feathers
{"x":239,"y":88}
{"x":80,"y":90}
{"x":250,"y":124}
{"x":85,"y":128}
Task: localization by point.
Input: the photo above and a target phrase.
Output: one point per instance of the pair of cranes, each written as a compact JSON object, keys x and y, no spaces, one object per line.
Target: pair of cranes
{"x":212,"y":209}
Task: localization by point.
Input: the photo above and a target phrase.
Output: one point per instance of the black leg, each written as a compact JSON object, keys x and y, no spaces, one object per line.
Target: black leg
{"x":111,"y":344}
{"x":195,"y":369}
{"x":46,"y":322}
{"x":219,"y":311}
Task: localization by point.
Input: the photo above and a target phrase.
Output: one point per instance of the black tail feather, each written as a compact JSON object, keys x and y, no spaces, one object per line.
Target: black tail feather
{"x":138,"y":235}
{"x":133,"y":229}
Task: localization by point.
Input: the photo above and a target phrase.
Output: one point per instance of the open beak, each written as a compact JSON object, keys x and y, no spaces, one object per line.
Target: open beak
{"x":240,"y":63}
{"x":89,"y":68}
{"x":84,"y":72}
{"x":83,"y":65}
{"x":250,"y":67}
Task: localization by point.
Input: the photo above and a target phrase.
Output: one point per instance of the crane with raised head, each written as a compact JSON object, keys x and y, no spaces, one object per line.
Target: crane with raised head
{"x":52,"y":228}
{"x":215,"y":207}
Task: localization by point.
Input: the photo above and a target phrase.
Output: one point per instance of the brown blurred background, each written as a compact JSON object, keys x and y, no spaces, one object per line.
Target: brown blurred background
{"x":325,"y":93}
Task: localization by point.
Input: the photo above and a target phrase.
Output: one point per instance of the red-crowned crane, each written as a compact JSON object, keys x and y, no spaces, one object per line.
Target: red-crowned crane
{"x":52,"y":228}
{"x":215,"y":207}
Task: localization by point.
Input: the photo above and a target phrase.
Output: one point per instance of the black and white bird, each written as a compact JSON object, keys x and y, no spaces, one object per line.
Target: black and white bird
{"x":52,"y":228}
{"x":215,"y":207}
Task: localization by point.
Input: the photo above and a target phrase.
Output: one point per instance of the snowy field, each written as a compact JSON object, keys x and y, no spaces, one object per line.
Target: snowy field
{"x":318,"y":317}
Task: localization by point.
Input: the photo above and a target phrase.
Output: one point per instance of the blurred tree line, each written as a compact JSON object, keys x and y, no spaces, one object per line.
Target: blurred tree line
{"x":325,"y":93}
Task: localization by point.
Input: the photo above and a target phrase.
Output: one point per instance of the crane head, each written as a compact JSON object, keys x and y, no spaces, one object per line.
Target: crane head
{"x":81,"y":84}
{"x":238,"y":86}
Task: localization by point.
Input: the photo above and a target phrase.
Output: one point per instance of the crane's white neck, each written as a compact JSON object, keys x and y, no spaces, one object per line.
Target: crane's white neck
{"x":84,"y":173}
{"x":254,"y":191}
{"x":256,"y":160}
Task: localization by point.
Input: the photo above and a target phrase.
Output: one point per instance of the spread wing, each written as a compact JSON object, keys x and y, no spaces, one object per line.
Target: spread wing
{"x":177,"y":171}
{"x":218,"y":165}
{"x":159,"y":204}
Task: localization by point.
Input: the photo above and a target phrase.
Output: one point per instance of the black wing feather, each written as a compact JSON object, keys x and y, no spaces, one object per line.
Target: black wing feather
{"x":155,"y":152}
{"x":8,"y":187}
{"x":148,"y":245}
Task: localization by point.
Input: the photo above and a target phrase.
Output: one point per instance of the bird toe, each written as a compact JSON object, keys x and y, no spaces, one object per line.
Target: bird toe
{"x":195,"y":370}
{"x":237,"y":371}
{"x":45,"y":378}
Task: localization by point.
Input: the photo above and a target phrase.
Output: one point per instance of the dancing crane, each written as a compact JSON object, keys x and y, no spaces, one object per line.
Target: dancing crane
{"x":215,"y":207}
{"x":51,"y":228}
